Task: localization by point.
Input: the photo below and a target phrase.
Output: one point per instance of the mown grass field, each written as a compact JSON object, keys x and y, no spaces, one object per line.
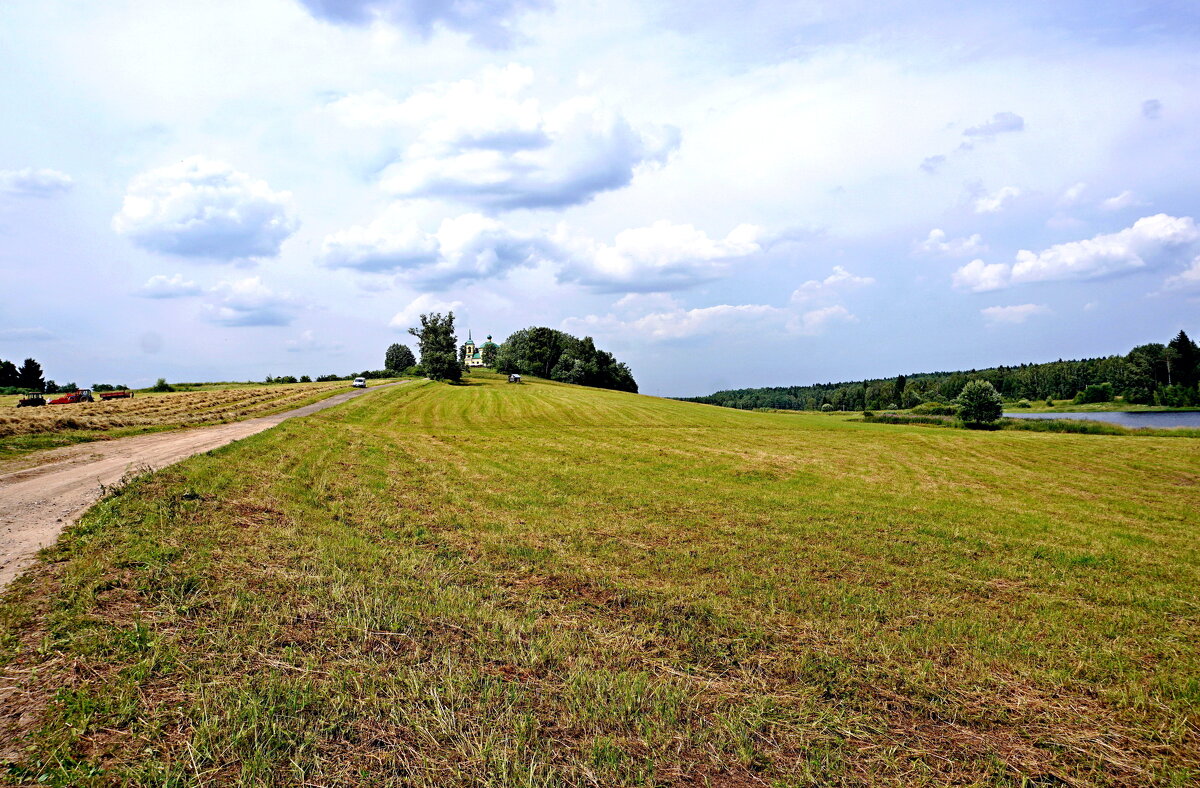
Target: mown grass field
{"x":28,"y":429}
{"x":544,"y":585}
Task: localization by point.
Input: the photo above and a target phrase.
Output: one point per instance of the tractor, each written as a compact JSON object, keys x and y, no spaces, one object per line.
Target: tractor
{"x":33,"y":399}
{"x":80,"y":395}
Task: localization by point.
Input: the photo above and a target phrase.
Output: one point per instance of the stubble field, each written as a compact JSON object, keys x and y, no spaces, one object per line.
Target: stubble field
{"x":546,"y":585}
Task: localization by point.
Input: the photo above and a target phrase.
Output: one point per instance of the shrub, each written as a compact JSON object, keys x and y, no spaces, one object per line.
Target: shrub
{"x":305,"y":379}
{"x":1097,"y":392}
{"x":162,"y":385}
{"x":1024,"y":404}
{"x":827,"y":407}
{"x":935,"y":409}
{"x":979,"y":403}
{"x":1049,"y":402}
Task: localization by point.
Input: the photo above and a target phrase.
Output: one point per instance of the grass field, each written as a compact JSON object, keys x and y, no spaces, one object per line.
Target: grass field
{"x":28,"y":429}
{"x":544,"y":585}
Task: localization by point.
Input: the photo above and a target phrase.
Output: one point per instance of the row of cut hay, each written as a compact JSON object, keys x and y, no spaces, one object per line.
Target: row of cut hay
{"x":182,"y":409}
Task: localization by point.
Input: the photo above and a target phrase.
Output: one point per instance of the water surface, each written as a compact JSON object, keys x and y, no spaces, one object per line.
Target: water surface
{"x":1126,"y":418}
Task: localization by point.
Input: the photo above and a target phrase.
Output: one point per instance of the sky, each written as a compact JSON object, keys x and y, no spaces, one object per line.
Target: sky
{"x":724,"y":195}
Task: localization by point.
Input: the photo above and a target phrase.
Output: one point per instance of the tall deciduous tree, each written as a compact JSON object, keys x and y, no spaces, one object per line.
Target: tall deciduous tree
{"x":437,"y":343}
{"x":398,"y":358}
{"x":980,"y":403}
{"x":30,"y":375}
{"x":487,"y":354}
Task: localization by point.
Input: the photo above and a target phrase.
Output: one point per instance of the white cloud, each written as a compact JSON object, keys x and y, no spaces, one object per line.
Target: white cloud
{"x":1125,"y":199}
{"x":162,"y":286}
{"x":1189,"y":278}
{"x":979,"y":276}
{"x":663,"y":256}
{"x":483,"y":143}
{"x":203,"y":208}
{"x":465,"y":247}
{"x":1151,"y":241}
{"x":1013,"y":314}
{"x":308,"y":342}
{"x":249,"y":302}
{"x":1001,"y":123}
{"x":839,"y":280}
{"x":938,"y":244}
{"x":410,"y":316}
{"x":679,"y":323}
{"x":1072,"y":194}
{"x":489,"y":24}
{"x":35,"y":183}
{"x":994,"y":203}
{"x":27,"y":334}
{"x":816,"y":321}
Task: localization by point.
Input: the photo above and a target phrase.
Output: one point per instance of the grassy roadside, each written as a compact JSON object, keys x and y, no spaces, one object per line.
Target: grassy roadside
{"x":547,"y":585}
{"x":36,"y":429}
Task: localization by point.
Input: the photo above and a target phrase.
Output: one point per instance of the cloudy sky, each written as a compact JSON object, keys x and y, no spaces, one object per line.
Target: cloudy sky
{"x":724,"y":194}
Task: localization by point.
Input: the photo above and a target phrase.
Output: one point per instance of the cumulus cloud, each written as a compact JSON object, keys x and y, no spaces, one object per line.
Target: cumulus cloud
{"x":1187,"y":279}
{"x":470,"y":246}
{"x":679,"y":323}
{"x":1151,"y":109}
{"x":249,"y":302}
{"x":162,"y":286}
{"x":488,"y":23}
{"x":483,"y":143}
{"x":994,"y":203}
{"x":839,"y":280}
{"x":204,"y":208}
{"x":1001,"y":123}
{"x":1013,"y":314}
{"x":661,"y":257}
{"x":35,"y":183}
{"x":1151,"y":241}
{"x":938,"y":244}
{"x":816,"y":321}
{"x":410,"y":316}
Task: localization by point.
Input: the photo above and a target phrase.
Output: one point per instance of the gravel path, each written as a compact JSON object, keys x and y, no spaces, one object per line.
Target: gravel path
{"x":37,"y":502}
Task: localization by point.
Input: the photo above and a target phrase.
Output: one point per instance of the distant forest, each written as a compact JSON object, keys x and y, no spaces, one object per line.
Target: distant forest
{"x":1148,"y":374}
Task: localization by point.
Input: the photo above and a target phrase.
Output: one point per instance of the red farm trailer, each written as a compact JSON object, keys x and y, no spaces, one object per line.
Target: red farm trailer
{"x":106,"y":395}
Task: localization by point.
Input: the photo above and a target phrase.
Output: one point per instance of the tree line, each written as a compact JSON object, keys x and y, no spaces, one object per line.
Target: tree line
{"x":536,"y":351}
{"x":1152,"y":374}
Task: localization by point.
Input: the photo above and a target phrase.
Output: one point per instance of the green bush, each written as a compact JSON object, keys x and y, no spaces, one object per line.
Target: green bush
{"x":1024,"y":404}
{"x":1096,"y":392}
{"x":827,"y":407}
{"x":979,"y":404}
{"x":162,"y":385}
{"x":935,"y":409}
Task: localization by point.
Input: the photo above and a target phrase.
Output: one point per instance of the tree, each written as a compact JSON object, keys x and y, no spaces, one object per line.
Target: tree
{"x":8,"y":375}
{"x":1184,"y":360}
{"x":898,"y":391}
{"x":399,"y":358}
{"x":979,"y":403}
{"x":437,"y":343}
{"x":487,"y":354}
{"x":29,"y":376}
{"x":549,"y":353}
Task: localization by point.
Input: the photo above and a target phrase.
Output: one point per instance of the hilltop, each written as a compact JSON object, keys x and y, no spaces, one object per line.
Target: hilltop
{"x":547,"y":584}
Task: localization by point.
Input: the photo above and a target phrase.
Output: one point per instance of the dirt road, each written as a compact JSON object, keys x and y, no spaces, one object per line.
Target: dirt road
{"x":37,"y":502}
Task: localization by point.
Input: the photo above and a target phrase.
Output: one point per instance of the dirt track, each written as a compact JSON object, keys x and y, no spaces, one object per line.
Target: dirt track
{"x":37,"y":502}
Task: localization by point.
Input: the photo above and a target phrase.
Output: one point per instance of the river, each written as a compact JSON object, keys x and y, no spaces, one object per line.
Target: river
{"x":1126,"y":418}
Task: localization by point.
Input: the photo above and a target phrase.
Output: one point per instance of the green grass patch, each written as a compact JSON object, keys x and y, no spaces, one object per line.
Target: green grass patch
{"x":554,"y":586}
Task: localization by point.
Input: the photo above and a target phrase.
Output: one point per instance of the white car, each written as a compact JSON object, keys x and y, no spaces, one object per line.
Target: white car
{"x":360,"y":383}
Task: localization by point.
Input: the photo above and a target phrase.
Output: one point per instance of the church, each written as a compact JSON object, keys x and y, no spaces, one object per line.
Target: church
{"x":472,"y":354}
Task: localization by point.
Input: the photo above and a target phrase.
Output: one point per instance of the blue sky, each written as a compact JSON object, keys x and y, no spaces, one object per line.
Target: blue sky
{"x":725,"y":195}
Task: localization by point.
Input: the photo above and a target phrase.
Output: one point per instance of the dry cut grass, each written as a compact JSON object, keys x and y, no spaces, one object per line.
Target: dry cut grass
{"x":24,"y":429}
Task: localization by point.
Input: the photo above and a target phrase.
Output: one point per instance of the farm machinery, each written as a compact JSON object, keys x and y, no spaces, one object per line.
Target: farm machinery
{"x":107,"y":395}
{"x":33,"y":399}
{"x":80,"y":395}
